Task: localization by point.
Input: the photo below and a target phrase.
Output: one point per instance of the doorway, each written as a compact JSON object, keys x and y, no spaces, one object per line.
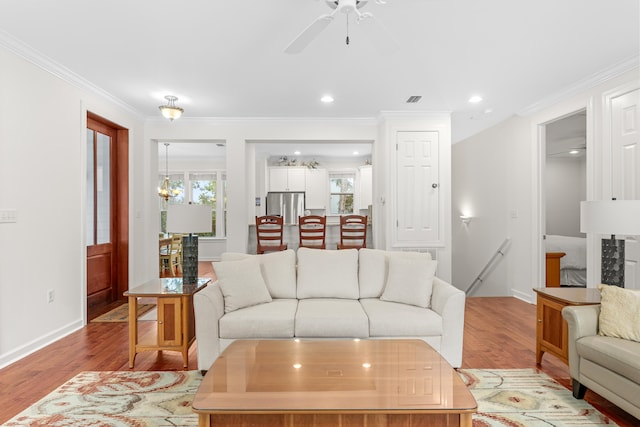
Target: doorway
{"x":564,"y":187}
{"x":107,"y":207}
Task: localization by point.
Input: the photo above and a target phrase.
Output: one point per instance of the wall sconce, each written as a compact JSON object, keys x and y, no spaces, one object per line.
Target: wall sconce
{"x":465,"y":219}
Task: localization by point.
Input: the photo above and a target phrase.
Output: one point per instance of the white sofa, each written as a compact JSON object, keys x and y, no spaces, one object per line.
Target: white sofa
{"x":323,"y":294}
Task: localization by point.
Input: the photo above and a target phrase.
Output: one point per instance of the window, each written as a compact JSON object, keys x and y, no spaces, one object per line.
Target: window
{"x":341,"y":187}
{"x":201,"y":188}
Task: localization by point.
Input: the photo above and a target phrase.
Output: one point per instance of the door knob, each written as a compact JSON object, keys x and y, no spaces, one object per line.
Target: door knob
{"x":434,"y":185}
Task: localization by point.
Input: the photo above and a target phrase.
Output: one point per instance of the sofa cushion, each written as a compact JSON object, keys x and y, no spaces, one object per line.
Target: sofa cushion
{"x":619,"y":313}
{"x":278,"y":270}
{"x":327,"y":274}
{"x":331,"y":317}
{"x":616,"y":354}
{"x":241,"y":283}
{"x":271,"y":320}
{"x":391,"y":319}
{"x":410,"y":281}
{"x":374,"y":269}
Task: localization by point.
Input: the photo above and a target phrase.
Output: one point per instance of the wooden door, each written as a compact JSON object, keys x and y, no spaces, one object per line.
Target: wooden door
{"x":625,"y":146}
{"x":106,"y":213}
{"x":417,"y":195}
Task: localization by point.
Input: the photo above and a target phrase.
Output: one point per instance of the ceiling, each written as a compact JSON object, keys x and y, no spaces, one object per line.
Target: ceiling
{"x":226,"y":59}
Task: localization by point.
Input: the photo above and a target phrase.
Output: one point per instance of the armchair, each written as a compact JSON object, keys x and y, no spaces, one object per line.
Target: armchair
{"x":606,"y":365}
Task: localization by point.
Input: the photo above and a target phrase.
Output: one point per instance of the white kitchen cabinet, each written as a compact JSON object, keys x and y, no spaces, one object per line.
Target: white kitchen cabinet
{"x":286,"y":179}
{"x":365,"y":196}
{"x":316,"y":187}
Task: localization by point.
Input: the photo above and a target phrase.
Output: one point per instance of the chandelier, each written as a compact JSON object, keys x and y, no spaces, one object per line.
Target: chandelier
{"x":165,"y":190}
{"x":171,"y":110}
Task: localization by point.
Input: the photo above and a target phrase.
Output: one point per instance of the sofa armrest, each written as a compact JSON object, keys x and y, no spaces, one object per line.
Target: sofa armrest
{"x":448,"y":301}
{"x":582,"y":321}
{"x":208,"y":306}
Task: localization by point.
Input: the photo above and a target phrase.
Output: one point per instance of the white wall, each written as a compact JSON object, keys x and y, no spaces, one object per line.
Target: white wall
{"x":42,"y":170}
{"x":565,"y":187}
{"x":485,"y":187}
{"x":511,"y":151}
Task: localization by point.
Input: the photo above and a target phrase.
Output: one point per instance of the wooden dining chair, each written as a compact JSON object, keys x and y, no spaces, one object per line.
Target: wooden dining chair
{"x":269,"y":230}
{"x":353,"y":232}
{"x":171,"y":255}
{"x":312,"y":230}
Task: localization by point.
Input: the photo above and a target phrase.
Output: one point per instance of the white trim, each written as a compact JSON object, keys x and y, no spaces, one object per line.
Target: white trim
{"x":47,"y":64}
{"x":583,"y":85}
{"x":523,"y":296}
{"x":356,"y":121}
{"x":39,"y":343}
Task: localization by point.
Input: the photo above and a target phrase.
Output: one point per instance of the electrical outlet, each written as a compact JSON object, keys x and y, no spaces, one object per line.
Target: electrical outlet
{"x":51,"y":295}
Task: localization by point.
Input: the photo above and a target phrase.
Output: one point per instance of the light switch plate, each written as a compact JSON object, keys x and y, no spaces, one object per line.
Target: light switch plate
{"x":8,"y":215}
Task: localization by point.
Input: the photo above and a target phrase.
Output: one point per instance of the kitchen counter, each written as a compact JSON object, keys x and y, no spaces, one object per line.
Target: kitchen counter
{"x":292,"y":239}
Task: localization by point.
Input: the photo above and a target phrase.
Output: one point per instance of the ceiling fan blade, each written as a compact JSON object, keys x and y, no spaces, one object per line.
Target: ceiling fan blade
{"x":378,"y":35}
{"x":310,"y":33}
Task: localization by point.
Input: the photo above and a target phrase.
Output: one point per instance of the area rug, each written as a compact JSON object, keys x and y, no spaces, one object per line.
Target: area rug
{"x":506,"y":397}
{"x":121,"y":313}
{"x":526,"y":397}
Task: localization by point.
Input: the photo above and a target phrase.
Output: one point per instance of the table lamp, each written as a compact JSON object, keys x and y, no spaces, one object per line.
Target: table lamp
{"x":189,"y":219}
{"x":613,"y":217}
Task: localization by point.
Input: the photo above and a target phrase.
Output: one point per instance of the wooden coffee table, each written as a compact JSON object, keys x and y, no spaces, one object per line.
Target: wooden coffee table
{"x":332,"y":383}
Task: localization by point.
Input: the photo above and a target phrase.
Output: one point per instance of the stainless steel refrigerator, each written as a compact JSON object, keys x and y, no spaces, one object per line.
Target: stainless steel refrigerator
{"x":288,"y":204}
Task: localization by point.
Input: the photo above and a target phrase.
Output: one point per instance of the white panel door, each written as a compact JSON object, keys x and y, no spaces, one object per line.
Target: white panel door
{"x":417,"y":187}
{"x":625,"y":145}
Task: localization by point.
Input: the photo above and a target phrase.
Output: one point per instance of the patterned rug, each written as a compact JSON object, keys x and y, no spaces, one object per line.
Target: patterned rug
{"x":506,"y":397}
{"x":121,"y":313}
{"x":526,"y":397}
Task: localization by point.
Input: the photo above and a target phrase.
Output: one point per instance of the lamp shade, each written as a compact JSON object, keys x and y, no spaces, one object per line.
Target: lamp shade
{"x":610,"y":217}
{"x":189,"y":219}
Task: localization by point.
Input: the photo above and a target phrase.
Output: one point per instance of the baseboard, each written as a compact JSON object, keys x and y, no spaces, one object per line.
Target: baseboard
{"x":522,"y":296}
{"x":39,"y":343}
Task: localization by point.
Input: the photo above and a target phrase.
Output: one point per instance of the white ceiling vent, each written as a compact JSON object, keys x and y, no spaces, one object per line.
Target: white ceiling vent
{"x":414,"y":99}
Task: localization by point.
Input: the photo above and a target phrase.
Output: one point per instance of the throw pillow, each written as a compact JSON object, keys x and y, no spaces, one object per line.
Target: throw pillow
{"x":278,"y":270}
{"x":619,"y":312}
{"x":410,"y":281}
{"x":241,"y":283}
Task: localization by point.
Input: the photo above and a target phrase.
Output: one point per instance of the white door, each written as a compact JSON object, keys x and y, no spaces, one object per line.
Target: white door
{"x":417,"y":192}
{"x":625,"y":146}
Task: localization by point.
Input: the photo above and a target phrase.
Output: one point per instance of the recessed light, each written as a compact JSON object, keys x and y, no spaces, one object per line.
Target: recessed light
{"x":355,"y":153}
{"x":475,"y":99}
{"x":327,"y":99}
{"x":574,"y":152}
{"x":297,"y":153}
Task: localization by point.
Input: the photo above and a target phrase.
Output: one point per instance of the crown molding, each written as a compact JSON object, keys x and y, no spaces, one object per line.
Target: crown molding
{"x":47,"y":64}
{"x":363,"y":121}
{"x":587,"y":83}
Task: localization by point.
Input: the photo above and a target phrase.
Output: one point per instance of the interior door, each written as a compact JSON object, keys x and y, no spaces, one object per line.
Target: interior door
{"x":625,"y":145}
{"x":100,"y":219}
{"x":417,"y":197}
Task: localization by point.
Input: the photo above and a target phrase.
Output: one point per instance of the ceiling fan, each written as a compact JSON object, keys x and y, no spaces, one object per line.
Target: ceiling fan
{"x":377,"y":33}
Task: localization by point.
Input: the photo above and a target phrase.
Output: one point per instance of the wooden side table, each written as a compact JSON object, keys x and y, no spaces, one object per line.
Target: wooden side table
{"x":176,"y":325}
{"x":551,"y":329}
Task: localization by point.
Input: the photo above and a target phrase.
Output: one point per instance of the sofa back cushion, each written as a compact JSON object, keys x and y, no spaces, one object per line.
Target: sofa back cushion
{"x":374,"y":269}
{"x":327,"y":274}
{"x":278,"y":270}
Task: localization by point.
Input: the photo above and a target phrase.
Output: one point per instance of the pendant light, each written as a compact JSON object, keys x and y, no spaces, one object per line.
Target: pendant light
{"x":165,"y":190}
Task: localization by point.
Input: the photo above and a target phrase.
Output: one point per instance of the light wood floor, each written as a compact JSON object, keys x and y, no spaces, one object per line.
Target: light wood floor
{"x":499,"y":334}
